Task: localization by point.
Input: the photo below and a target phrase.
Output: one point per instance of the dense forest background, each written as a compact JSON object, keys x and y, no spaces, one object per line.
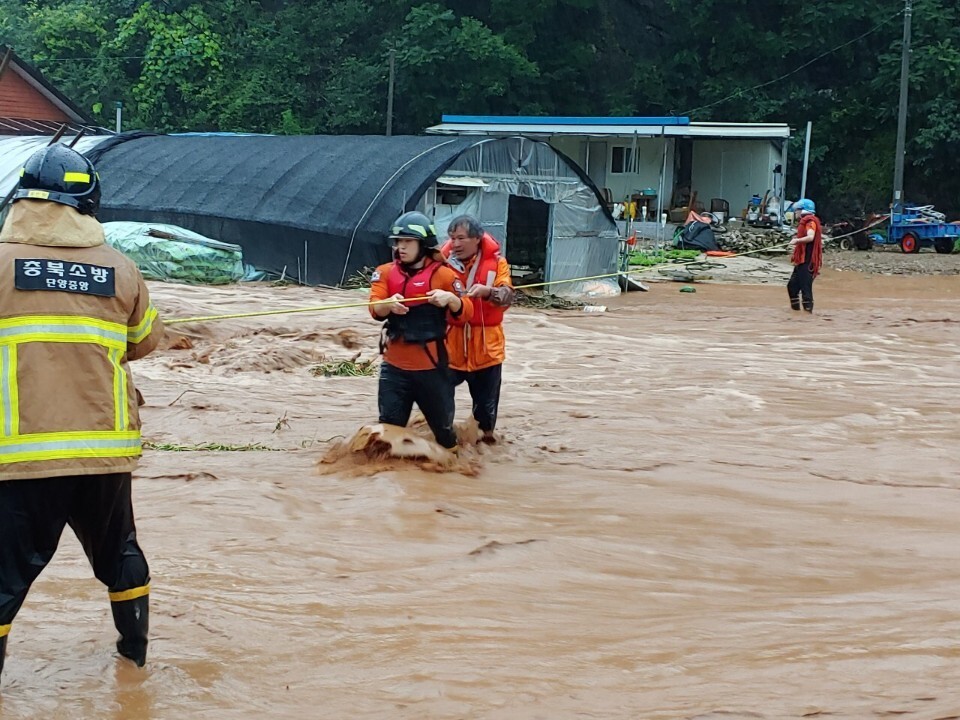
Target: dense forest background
{"x":322,"y":67}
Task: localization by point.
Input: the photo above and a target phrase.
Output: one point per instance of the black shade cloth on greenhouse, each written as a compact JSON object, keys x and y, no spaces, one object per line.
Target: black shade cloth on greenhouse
{"x":316,"y":208}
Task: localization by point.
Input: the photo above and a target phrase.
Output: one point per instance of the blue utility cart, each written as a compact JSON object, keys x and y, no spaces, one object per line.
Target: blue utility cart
{"x":916,"y":226}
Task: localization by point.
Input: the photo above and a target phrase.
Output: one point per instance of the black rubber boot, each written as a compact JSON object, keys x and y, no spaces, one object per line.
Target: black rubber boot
{"x":808,"y":306}
{"x":795,"y":303}
{"x":132,"y":618}
{"x":3,"y":651}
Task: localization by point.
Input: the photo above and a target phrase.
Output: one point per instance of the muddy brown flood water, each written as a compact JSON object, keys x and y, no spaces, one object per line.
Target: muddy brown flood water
{"x":705,"y":507}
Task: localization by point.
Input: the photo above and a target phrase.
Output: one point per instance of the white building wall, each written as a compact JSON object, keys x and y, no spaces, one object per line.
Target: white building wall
{"x":648,"y":168}
{"x":733,"y":170}
{"x":599,"y":163}
{"x":597,"y":169}
{"x":593,"y":162}
{"x":730,"y":169}
{"x":571,"y":146}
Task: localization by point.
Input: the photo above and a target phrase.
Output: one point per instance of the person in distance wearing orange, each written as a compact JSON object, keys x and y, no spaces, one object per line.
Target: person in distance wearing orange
{"x":807,"y":256}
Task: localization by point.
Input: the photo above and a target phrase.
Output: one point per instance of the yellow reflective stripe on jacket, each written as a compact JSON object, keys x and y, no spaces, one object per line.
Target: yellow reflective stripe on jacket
{"x":69,"y":445}
{"x":5,"y":630}
{"x":119,"y":390}
{"x":132,"y":594}
{"x":9,"y":390}
{"x":142,"y":329}
{"x":61,"y":328}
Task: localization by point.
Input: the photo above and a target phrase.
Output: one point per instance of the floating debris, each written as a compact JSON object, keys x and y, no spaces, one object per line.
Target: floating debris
{"x":360,"y":280}
{"x":546,"y":301}
{"x":354,"y":367}
{"x":207,"y":447}
{"x":495,"y":545}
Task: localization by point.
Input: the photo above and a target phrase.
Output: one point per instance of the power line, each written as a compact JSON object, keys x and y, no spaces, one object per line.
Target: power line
{"x":87,"y":59}
{"x":182,"y":16}
{"x":741,"y":91}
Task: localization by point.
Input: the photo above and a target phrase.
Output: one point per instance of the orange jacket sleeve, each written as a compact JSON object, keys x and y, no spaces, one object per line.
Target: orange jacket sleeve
{"x":447,"y":279}
{"x":503,"y":274}
{"x":379,"y":289}
{"x":502,"y":293}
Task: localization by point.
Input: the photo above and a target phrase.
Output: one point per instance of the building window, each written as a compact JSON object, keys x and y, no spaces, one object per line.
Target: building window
{"x":621,"y":160}
{"x":450,"y":195}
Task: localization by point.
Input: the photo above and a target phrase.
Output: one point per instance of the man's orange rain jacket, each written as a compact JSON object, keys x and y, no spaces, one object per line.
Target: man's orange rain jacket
{"x":480,"y":343}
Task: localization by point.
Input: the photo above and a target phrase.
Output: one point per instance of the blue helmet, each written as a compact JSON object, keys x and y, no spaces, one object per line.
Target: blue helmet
{"x":804,"y":205}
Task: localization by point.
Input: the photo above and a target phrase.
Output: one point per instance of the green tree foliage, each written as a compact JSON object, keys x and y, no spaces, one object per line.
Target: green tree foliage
{"x":448,"y":64}
{"x":284,"y":66}
{"x":180,"y":68}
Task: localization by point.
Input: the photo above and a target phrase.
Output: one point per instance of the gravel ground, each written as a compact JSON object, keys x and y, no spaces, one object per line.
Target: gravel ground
{"x":764,"y":269}
{"x":891,"y":261}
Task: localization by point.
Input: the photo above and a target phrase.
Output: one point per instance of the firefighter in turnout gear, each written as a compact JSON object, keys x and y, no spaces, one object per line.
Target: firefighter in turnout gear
{"x":426,"y":297}
{"x":73,"y":312}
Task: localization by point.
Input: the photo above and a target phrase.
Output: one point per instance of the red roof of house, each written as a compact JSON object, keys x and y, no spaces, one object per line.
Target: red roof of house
{"x":29,"y":104}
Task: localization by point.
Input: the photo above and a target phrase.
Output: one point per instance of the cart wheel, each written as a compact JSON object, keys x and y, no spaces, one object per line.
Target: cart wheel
{"x":846,"y":243}
{"x":909,"y":243}
{"x":862,"y":241}
{"x":944,"y":245}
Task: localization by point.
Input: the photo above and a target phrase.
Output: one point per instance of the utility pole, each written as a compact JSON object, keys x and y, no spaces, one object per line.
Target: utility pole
{"x":902,"y":118}
{"x":393,"y":57}
{"x":806,"y":160}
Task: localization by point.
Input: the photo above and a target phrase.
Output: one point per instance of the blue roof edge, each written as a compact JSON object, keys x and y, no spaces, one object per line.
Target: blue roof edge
{"x":532,"y":120}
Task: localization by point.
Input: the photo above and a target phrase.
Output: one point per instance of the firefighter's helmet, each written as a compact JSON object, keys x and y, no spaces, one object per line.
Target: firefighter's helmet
{"x":61,"y":175}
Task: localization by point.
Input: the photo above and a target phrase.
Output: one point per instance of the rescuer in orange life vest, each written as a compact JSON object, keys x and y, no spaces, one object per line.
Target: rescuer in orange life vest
{"x":73,"y":313}
{"x":477,"y":348}
{"x":415,"y":367}
{"x":807,"y":256}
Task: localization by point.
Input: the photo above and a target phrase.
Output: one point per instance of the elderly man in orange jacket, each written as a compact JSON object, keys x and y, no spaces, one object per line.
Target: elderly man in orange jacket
{"x":477,"y":348}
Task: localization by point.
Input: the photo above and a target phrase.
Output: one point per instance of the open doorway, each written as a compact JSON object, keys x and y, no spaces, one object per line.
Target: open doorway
{"x":528,"y":223}
{"x":681,"y":191}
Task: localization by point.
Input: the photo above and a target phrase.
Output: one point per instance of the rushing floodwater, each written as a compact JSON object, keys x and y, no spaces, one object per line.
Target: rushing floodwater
{"x":705,"y":507}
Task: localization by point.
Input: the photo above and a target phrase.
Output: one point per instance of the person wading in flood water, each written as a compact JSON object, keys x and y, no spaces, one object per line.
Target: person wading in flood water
{"x":807,"y":256}
{"x":415,"y":367}
{"x":477,"y":348}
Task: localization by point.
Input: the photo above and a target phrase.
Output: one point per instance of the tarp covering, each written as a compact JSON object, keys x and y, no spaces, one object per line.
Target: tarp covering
{"x":297,"y":205}
{"x":171,"y":253}
{"x":696,"y":236}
